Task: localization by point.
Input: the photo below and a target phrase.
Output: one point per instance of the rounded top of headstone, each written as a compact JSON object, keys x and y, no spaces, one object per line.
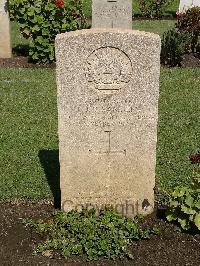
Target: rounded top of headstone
{"x":108,"y":31}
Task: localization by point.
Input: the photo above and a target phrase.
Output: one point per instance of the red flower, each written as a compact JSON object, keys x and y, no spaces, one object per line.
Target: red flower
{"x":59,"y":3}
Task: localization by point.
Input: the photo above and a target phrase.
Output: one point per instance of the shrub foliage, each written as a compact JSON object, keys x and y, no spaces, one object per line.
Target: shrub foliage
{"x":183,"y":39}
{"x":185,"y":206}
{"x":190,"y":22}
{"x":153,"y":8}
{"x":174,"y":46}
{"x":41,"y":20}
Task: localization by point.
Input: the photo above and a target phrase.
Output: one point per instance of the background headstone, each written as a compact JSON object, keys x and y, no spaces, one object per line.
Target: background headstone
{"x":5,"y":43}
{"x":108,"y":88}
{"x":112,"y":14}
{"x":185,"y":4}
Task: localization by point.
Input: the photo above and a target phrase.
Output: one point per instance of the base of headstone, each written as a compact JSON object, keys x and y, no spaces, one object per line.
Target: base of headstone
{"x":125,"y":206}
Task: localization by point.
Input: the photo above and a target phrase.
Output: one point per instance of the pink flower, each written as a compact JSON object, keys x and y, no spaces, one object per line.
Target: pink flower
{"x":178,"y":13}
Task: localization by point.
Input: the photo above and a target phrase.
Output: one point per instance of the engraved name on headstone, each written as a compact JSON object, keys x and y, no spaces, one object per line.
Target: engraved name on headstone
{"x":112,"y":14}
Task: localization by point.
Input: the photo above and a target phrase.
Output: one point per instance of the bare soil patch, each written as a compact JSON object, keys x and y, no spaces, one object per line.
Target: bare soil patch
{"x":171,"y":247}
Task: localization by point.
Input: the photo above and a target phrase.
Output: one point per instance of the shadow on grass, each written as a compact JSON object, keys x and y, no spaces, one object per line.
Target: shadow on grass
{"x":21,"y":50}
{"x":49,"y":160}
{"x":171,"y":14}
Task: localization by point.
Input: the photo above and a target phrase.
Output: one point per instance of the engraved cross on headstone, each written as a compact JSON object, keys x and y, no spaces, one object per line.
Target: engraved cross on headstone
{"x":113,"y":6}
{"x":112,"y":14}
{"x":109,"y":150}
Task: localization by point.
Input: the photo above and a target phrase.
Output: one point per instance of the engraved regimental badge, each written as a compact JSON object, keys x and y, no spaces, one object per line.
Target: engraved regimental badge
{"x":108,"y":69}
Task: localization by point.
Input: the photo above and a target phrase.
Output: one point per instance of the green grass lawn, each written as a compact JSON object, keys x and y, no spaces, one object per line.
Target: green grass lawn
{"x":28,"y":129}
{"x":179,"y":124}
{"x":29,"y":142}
{"x":155,"y":26}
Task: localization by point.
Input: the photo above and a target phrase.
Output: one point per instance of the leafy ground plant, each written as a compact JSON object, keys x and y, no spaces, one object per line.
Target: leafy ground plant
{"x":107,"y":235}
{"x":185,"y":206}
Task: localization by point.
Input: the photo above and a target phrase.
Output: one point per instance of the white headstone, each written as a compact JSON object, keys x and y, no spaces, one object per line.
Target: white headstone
{"x":108,"y":88}
{"x":186,"y":4}
{"x":112,"y":14}
{"x":5,"y":42}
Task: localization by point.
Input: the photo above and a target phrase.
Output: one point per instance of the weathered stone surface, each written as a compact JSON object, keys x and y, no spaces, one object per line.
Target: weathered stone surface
{"x":185,"y":4}
{"x":108,"y":89}
{"x":112,"y":14}
{"x":5,"y":44}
